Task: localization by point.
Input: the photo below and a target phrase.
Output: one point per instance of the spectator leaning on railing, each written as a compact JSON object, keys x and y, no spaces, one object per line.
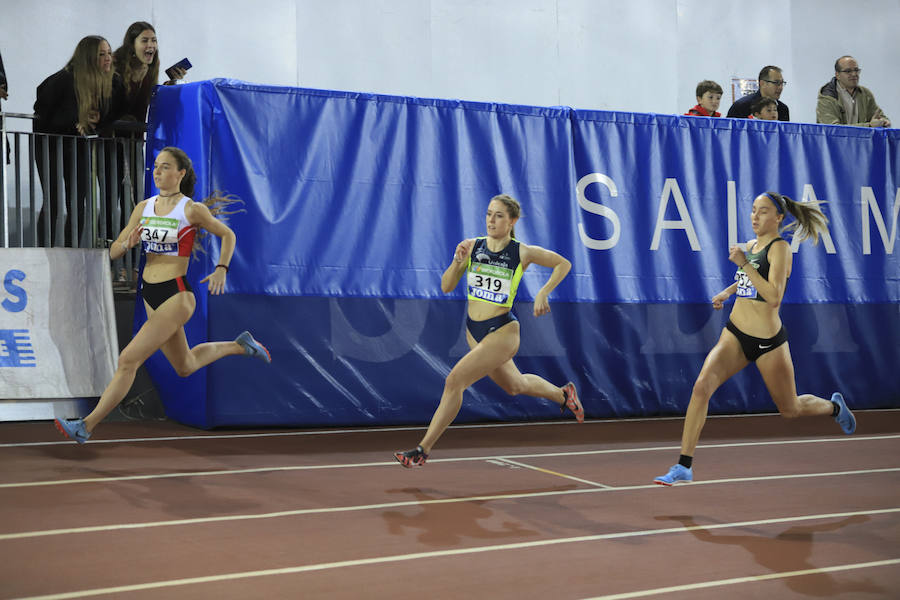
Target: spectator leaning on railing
{"x":842,"y":101}
{"x":136,"y":62}
{"x":79,"y":100}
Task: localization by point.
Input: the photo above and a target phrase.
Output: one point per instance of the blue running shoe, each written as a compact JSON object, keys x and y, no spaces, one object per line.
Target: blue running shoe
{"x":676,"y":473}
{"x":252,"y":347}
{"x":844,"y":417}
{"x":73,"y":429}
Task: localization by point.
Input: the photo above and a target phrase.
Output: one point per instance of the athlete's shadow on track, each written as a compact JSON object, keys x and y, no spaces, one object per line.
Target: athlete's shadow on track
{"x":790,"y":550}
{"x":450,"y":524}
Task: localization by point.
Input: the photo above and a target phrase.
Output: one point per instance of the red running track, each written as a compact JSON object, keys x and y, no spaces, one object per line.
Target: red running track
{"x":779,"y":509}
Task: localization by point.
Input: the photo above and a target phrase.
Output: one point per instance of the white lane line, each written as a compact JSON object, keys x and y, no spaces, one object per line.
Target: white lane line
{"x":275,"y":434}
{"x":376,"y":429}
{"x":393,"y":463}
{"x":556,"y":473}
{"x":411,"y":503}
{"x":442,"y":553}
{"x":750,"y":579}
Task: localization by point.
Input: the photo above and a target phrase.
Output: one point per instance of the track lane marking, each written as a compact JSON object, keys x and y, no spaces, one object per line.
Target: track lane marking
{"x":392,"y":463}
{"x":443,"y":553}
{"x":549,"y":472}
{"x":376,"y":429}
{"x":408,"y":503}
{"x":749,"y":579}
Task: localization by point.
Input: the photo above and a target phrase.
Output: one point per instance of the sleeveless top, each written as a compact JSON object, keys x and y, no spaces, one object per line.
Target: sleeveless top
{"x":170,"y":235}
{"x":493,"y":277}
{"x":760,"y":260}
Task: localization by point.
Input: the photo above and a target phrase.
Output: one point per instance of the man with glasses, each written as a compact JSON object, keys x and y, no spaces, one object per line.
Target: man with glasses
{"x":771,"y":84}
{"x":842,"y":101}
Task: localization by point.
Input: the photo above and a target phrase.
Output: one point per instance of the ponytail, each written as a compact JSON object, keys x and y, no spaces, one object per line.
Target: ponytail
{"x":809,"y":220}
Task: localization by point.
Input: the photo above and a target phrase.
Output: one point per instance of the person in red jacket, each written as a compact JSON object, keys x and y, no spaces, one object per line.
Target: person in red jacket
{"x":709,"y":94}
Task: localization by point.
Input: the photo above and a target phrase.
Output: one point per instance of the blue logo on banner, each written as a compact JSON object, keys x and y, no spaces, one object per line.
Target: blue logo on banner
{"x":15,"y":344}
{"x":9,"y":283}
{"x":16,"y":349}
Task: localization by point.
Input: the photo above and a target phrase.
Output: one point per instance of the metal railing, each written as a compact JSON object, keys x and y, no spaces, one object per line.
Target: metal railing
{"x":69,"y":191}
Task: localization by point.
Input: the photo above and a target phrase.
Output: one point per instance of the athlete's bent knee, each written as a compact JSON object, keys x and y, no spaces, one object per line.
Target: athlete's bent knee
{"x":703,"y":388}
{"x":183,"y":370}
{"x":454,"y":383}
{"x":128,"y":362}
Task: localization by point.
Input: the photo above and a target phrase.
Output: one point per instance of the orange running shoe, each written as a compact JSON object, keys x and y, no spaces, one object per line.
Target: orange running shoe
{"x":411,"y":458}
{"x":572,"y":402}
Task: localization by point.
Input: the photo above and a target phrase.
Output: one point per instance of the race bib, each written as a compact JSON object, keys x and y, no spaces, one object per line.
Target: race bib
{"x":488,"y":282}
{"x":745,"y":288}
{"x":159,"y":234}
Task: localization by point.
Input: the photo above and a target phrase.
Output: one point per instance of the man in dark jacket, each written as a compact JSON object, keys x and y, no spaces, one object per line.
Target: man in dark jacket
{"x":771,"y":84}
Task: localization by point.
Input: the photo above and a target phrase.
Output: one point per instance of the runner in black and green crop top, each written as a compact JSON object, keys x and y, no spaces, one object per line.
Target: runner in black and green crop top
{"x":754,"y":332}
{"x":493,"y":266}
{"x":760,"y":261}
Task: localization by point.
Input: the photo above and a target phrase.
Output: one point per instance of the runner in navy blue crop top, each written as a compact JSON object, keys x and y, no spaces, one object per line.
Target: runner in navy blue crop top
{"x":493,"y":266}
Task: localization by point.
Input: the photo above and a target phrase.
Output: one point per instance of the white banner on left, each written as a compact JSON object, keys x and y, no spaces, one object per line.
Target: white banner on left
{"x":57,"y":323}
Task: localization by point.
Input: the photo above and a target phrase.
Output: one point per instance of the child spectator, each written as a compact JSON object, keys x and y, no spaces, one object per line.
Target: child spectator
{"x":765,"y":109}
{"x":709,"y":94}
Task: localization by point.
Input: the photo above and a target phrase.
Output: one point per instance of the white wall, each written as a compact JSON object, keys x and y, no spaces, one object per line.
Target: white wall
{"x":644,"y":56}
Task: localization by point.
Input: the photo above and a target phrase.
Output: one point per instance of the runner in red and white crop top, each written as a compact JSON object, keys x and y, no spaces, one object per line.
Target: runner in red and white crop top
{"x":170,"y":234}
{"x":168,"y":298}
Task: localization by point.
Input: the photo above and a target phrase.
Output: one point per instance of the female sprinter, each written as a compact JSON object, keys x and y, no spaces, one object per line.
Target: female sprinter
{"x":494,"y":266}
{"x":754,"y":332}
{"x":166,"y":225}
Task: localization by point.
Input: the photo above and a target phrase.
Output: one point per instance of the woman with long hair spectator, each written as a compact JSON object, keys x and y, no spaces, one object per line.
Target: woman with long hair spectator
{"x":136,"y":62}
{"x":79,"y":100}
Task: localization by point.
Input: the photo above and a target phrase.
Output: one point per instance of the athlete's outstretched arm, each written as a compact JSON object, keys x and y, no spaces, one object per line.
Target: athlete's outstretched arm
{"x":552,"y":260}
{"x":198,"y":214}
{"x":457,"y":267}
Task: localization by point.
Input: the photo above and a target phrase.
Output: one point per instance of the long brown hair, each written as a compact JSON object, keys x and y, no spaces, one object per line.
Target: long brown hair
{"x":512,"y":207}
{"x":126,"y":62}
{"x":220,"y":204}
{"x":809,"y":221}
{"x":93,"y":87}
